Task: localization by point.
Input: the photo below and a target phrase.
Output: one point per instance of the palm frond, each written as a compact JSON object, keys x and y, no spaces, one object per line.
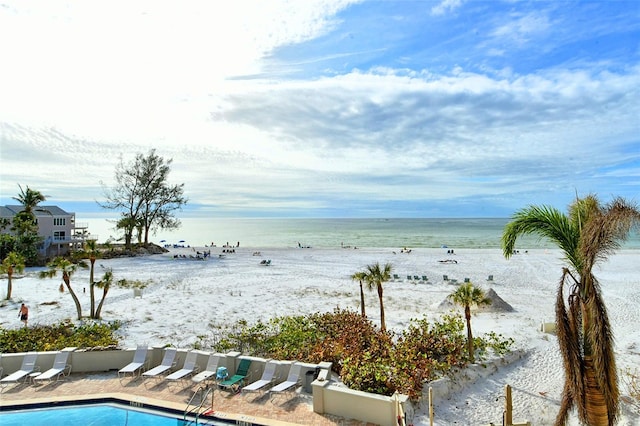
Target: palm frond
{"x":607,"y":230}
{"x":546,"y":222}
{"x":568,"y":332}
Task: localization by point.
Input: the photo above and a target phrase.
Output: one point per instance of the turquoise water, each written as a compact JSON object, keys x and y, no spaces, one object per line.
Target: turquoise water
{"x":430,"y":233}
{"x":94,"y":415}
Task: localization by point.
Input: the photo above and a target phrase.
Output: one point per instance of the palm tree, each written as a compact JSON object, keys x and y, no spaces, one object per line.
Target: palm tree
{"x":14,"y":262}
{"x":29,"y":198}
{"x":587,"y":234}
{"x":105,"y":285}
{"x":90,"y":251}
{"x":360,"y":277}
{"x":68,"y":269}
{"x":375,"y":276}
{"x":467,"y":295}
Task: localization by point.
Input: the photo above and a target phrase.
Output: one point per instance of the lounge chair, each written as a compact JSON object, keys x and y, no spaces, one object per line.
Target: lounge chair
{"x":188,"y":368}
{"x":409,"y":277}
{"x":425,"y":278}
{"x":292,"y":382}
{"x":417,"y":278}
{"x":267,"y":379}
{"x":137,"y":365}
{"x":28,"y":366}
{"x":60,"y":368}
{"x":165,"y":366}
{"x":396,"y":277}
{"x":235,"y":382}
{"x":209,"y":371}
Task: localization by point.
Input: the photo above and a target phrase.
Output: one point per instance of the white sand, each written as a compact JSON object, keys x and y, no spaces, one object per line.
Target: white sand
{"x":188,"y":298}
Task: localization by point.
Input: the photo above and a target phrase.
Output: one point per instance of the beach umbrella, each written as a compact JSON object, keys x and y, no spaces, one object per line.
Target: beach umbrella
{"x":181,"y":241}
{"x":163,"y":241}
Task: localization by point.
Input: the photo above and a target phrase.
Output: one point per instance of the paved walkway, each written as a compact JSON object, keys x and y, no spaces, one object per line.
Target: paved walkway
{"x":285,"y":410}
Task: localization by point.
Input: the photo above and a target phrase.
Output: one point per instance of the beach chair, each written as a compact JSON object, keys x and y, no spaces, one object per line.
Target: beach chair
{"x":396,"y":277}
{"x":289,"y":385}
{"x":409,"y":277}
{"x":467,"y":280}
{"x":490,"y":278}
{"x":267,"y":379}
{"x":60,"y":369}
{"x":445,"y":278}
{"x":188,"y":368}
{"x":417,"y":278}
{"x":136,"y":366}
{"x":209,"y":371}
{"x":425,"y":278}
{"x":234,"y":383}
{"x":28,"y":367}
{"x":168,"y":362}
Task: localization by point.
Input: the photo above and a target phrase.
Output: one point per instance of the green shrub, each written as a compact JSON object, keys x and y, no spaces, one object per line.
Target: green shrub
{"x":58,"y":336}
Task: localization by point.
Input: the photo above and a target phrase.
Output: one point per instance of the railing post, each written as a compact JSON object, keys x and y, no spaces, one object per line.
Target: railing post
{"x":508,"y":406}
{"x":430,"y":406}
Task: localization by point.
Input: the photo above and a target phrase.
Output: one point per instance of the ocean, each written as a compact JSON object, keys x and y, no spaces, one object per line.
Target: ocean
{"x":327,"y":233}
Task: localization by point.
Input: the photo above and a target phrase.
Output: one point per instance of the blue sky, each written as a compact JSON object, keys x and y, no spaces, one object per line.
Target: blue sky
{"x":324,"y":108}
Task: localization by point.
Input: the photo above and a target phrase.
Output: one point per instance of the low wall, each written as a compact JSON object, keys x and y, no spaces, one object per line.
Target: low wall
{"x":330,"y":398}
{"x":443,"y":388}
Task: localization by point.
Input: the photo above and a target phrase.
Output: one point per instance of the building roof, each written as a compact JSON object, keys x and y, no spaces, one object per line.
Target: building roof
{"x":11,"y":211}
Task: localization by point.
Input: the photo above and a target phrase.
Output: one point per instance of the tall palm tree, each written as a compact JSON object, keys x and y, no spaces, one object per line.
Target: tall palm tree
{"x":105,"y":285}
{"x":90,"y":251}
{"x":14,"y":262}
{"x":468,"y":295}
{"x":587,"y":234}
{"x":29,"y":198}
{"x":67,"y":268}
{"x":375,"y":276}
{"x":360,"y":277}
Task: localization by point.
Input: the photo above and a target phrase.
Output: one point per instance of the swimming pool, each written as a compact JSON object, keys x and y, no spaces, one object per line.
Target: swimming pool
{"x":93,"y":415}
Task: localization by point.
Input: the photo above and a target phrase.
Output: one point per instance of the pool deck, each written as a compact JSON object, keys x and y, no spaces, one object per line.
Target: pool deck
{"x":294,"y":409}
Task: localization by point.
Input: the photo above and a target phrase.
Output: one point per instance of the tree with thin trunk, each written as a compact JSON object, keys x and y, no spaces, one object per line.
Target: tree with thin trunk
{"x":468,"y":295}
{"x":360,"y":277}
{"x":105,"y":285}
{"x":90,"y":251}
{"x":13,"y":263}
{"x":589,"y":233}
{"x":375,"y":276}
{"x":67,"y":268}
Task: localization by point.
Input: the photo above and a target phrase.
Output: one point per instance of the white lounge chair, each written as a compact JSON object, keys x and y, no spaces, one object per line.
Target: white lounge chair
{"x":28,"y":366}
{"x":188,"y":368}
{"x":210,"y":370}
{"x":292,"y":382}
{"x":137,"y":365}
{"x":165,"y":366}
{"x":267,"y":379}
{"x":60,"y":368}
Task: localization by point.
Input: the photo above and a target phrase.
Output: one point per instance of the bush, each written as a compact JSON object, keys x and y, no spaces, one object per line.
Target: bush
{"x":365,"y":358}
{"x":58,"y":336}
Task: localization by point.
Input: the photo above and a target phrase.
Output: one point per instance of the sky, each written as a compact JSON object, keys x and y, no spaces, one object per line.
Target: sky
{"x":324,"y":108}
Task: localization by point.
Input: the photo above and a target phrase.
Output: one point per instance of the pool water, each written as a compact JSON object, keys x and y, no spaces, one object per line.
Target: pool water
{"x":90,"y":415}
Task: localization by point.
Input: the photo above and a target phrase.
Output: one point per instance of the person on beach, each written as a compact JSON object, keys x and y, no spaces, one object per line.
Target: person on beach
{"x":23,"y":314}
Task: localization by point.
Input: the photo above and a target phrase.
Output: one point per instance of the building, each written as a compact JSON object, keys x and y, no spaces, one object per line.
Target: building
{"x":59,"y":230}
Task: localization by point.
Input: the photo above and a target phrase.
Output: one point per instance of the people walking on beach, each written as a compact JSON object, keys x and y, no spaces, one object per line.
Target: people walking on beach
{"x":23,"y":314}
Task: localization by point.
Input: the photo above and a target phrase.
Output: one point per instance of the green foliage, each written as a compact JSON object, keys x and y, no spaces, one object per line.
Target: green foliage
{"x":365,"y":357}
{"x":58,"y":336}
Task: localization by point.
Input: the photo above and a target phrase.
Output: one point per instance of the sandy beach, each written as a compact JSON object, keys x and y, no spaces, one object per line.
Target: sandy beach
{"x":186,"y":300}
